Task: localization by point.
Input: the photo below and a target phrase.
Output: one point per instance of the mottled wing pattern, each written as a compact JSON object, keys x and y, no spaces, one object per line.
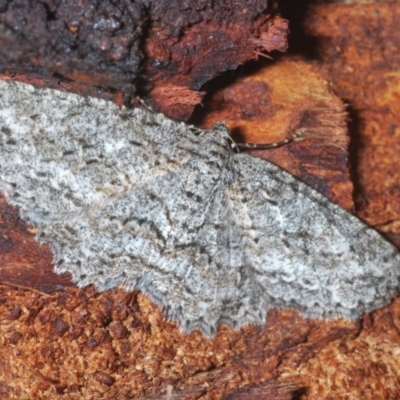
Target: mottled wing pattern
{"x":210,"y":283}
{"x":125,"y":198}
{"x":306,"y":252}
{"x":130,"y":198}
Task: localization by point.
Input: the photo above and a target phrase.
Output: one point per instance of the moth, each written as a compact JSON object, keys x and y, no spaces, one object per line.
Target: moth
{"x":130,"y":198}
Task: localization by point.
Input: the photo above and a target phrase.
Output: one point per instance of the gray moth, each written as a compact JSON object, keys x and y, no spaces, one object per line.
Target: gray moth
{"x":130,"y":198}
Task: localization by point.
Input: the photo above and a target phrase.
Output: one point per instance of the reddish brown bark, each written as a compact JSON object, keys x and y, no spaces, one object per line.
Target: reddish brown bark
{"x":359,"y":48}
{"x":116,"y":345}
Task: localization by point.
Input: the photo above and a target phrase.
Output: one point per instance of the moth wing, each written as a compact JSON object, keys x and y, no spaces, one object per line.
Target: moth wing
{"x":67,"y":161}
{"x":125,"y":198}
{"x":306,"y":252}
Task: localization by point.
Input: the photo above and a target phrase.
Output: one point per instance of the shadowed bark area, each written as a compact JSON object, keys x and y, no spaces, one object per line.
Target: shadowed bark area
{"x":117,"y":345}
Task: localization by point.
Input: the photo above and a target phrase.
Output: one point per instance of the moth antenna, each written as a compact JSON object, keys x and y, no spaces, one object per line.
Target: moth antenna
{"x":261,"y":146}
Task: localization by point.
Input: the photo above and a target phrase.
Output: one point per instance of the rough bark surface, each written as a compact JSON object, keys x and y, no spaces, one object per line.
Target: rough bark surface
{"x":359,"y":46}
{"x":163,"y":50}
{"x":116,"y":345}
{"x":94,"y":42}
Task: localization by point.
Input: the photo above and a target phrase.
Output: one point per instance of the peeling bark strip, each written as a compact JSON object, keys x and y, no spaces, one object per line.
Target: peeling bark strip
{"x":151,"y":44}
{"x":188,"y":45}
